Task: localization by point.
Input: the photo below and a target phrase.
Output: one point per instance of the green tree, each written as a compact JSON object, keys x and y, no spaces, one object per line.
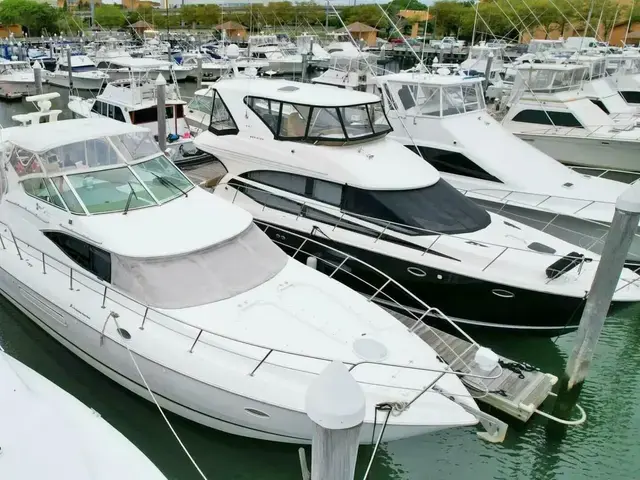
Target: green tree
{"x":368,"y":14}
{"x":34,"y":15}
{"x":110,"y":16}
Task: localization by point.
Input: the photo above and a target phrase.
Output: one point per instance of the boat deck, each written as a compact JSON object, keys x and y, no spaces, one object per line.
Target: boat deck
{"x":509,"y":393}
{"x":514,"y":389}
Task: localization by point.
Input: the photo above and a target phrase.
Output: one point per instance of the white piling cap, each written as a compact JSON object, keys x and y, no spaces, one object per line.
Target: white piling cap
{"x":160,"y":80}
{"x":629,"y":200}
{"x":334,"y":399}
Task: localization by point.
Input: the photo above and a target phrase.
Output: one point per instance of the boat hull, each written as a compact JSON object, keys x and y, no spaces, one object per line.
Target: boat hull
{"x":195,"y":400}
{"x":79,"y":82}
{"x":588,"y":152}
{"x":12,"y":90}
{"x":582,"y":233}
{"x":467,"y":301}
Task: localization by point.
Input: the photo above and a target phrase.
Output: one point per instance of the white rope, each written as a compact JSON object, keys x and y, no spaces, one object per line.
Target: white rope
{"x":153,"y":397}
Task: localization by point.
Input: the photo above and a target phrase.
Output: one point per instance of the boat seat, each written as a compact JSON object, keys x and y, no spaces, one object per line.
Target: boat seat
{"x":295,"y":126}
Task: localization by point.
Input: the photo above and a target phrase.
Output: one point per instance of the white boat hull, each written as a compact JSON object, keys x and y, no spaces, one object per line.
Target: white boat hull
{"x":588,"y":152}
{"x":60,"y":79}
{"x":285,"y":68}
{"x":12,"y":89}
{"x":185,"y":396}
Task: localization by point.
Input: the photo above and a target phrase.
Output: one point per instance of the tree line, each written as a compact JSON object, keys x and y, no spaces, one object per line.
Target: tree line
{"x":493,"y":18}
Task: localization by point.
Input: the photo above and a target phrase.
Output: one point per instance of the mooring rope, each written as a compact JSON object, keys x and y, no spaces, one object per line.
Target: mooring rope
{"x":153,"y":397}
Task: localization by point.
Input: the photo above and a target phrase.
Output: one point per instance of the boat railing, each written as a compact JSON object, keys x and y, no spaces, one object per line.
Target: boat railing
{"x":601,"y":132}
{"x":109,"y":297}
{"x":381,"y":228}
{"x":539,"y":201}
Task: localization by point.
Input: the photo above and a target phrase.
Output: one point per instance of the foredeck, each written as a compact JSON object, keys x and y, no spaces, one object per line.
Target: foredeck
{"x":518,"y":392}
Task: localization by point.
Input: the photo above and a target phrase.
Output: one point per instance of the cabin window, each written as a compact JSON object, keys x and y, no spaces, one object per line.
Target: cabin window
{"x":103,"y":65}
{"x":600,"y":105}
{"x":452,"y":162}
{"x":100,"y":108}
{"x":118,"y":115}
{"x":43,"y":189}
{"x":201,"y":103}
{"x":542,"y":117}
{"x":162,"y":178}
{"x":320,"y":190}
{"x":221,"y":122}
{"x":438,"y":208}
{"x":89,"y":257}
{"x":318,"y":123}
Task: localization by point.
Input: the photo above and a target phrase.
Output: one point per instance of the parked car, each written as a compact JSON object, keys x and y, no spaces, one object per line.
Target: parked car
{"x":447,"y":43}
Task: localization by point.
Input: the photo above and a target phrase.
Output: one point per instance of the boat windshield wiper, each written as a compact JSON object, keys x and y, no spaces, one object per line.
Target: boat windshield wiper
{"x":131,"y":195}
{"x":168,"y":183}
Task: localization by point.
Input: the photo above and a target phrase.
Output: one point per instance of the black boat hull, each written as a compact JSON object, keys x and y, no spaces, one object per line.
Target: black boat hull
{"x":467,"y":301}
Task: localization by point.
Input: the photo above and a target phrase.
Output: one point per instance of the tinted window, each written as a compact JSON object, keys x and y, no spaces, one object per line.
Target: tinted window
{"x":437,"y":208}
{"x":600,"y":105}
{"x":452,"y":162}
{"x":119,"y":116}
{"x":559,"y":119}
{"x":321,"y":190}
{"x":89,"y":257}
{"x":43,"y":189}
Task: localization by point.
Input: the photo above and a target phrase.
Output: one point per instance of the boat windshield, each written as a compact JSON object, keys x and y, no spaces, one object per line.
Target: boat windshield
{"x":101,"y":175}
{"x":438,"y":208}
{"x":436,"y":100}
{"x":534,"y":79}
{"x":315,"y":124}
{"x":201,"y":103}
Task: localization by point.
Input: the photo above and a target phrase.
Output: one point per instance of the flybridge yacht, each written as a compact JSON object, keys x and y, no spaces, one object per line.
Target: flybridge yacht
{"x":549,"y":109}
{"x":282,"y":59}
{"x":443,"y":118}
{"x":476,"y":63}
{"x":85,"y":74}
{"x":316,"y":161}
{"x":310,"y":44}
{"x":214,"y":68}
{"x":624,"y":70}
{"x":134,"y":101}
{"x":16,"y":79}
{"x":119,"y":64}
{"x":47,"y":433}
{"x":97,"y":226}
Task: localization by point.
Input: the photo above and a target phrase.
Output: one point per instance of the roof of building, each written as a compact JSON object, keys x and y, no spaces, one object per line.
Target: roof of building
{"x":359,"y":27}
{"x":230,"y":25}
{"x":141,"y":24}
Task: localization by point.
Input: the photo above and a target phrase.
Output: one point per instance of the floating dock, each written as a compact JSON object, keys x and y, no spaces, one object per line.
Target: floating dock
{"x":518,"y":391}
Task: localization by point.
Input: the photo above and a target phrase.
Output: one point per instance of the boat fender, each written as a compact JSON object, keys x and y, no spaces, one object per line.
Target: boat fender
{"x":564,"y":265}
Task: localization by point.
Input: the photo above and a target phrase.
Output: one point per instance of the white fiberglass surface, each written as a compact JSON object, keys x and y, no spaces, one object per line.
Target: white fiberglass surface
{"x":218,"y":272}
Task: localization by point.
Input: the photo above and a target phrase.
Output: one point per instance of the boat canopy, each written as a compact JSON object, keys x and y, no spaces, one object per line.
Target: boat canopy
{"x":549,"y":77}
{"x":434,"y":95}
{"x":112,"y":172}
{"x":541,"y":46}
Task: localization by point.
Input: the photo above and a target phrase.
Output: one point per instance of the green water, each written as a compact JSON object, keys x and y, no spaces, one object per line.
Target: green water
{"x":605,"y":447}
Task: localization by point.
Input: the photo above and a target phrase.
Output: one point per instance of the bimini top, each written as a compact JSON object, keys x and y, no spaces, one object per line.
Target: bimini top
{"x":46,"y":136}
{"x":294,"y":92}
{"x":549,"y":77}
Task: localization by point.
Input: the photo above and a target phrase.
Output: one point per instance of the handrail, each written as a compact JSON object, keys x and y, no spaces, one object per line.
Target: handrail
{"x":589,"y":131}
{"x":374,"y":223}
{"x":605,"y":171}
{"x":102,"y":289}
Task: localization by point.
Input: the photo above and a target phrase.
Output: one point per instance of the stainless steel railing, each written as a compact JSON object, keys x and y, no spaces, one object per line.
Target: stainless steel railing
{"x":108,"y":296}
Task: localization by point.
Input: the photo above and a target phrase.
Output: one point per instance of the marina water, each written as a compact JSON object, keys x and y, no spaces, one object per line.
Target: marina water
{"x":605,"y":447}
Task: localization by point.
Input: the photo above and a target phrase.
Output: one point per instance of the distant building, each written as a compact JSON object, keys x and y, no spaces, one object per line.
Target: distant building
{"x":74,"y":4}
{"x":233,"y":30}
{"x":415,"y":18}
{"x":135,"y":4}
{"x":140,"y":27}
{"x":361,"y":31}
{"x":7,"y":30}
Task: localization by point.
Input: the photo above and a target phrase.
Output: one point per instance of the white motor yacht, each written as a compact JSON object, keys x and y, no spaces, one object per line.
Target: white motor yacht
{"x":214,"y":68}
{"x":476,"y":63}
{"x":110,"y":249}
{"x":310,"y":44}
{"x":549,"y":109}
{"x":443,"y":118}
{"x":120,"y":65}
{"x":134,"y":101}
{"x":317,"y":161}
{"x":85,"y":74}
{"x":624,"y":70}
{"x":47,"y":433}
{"x":282,"y":60}
{"x":16,"y":79}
